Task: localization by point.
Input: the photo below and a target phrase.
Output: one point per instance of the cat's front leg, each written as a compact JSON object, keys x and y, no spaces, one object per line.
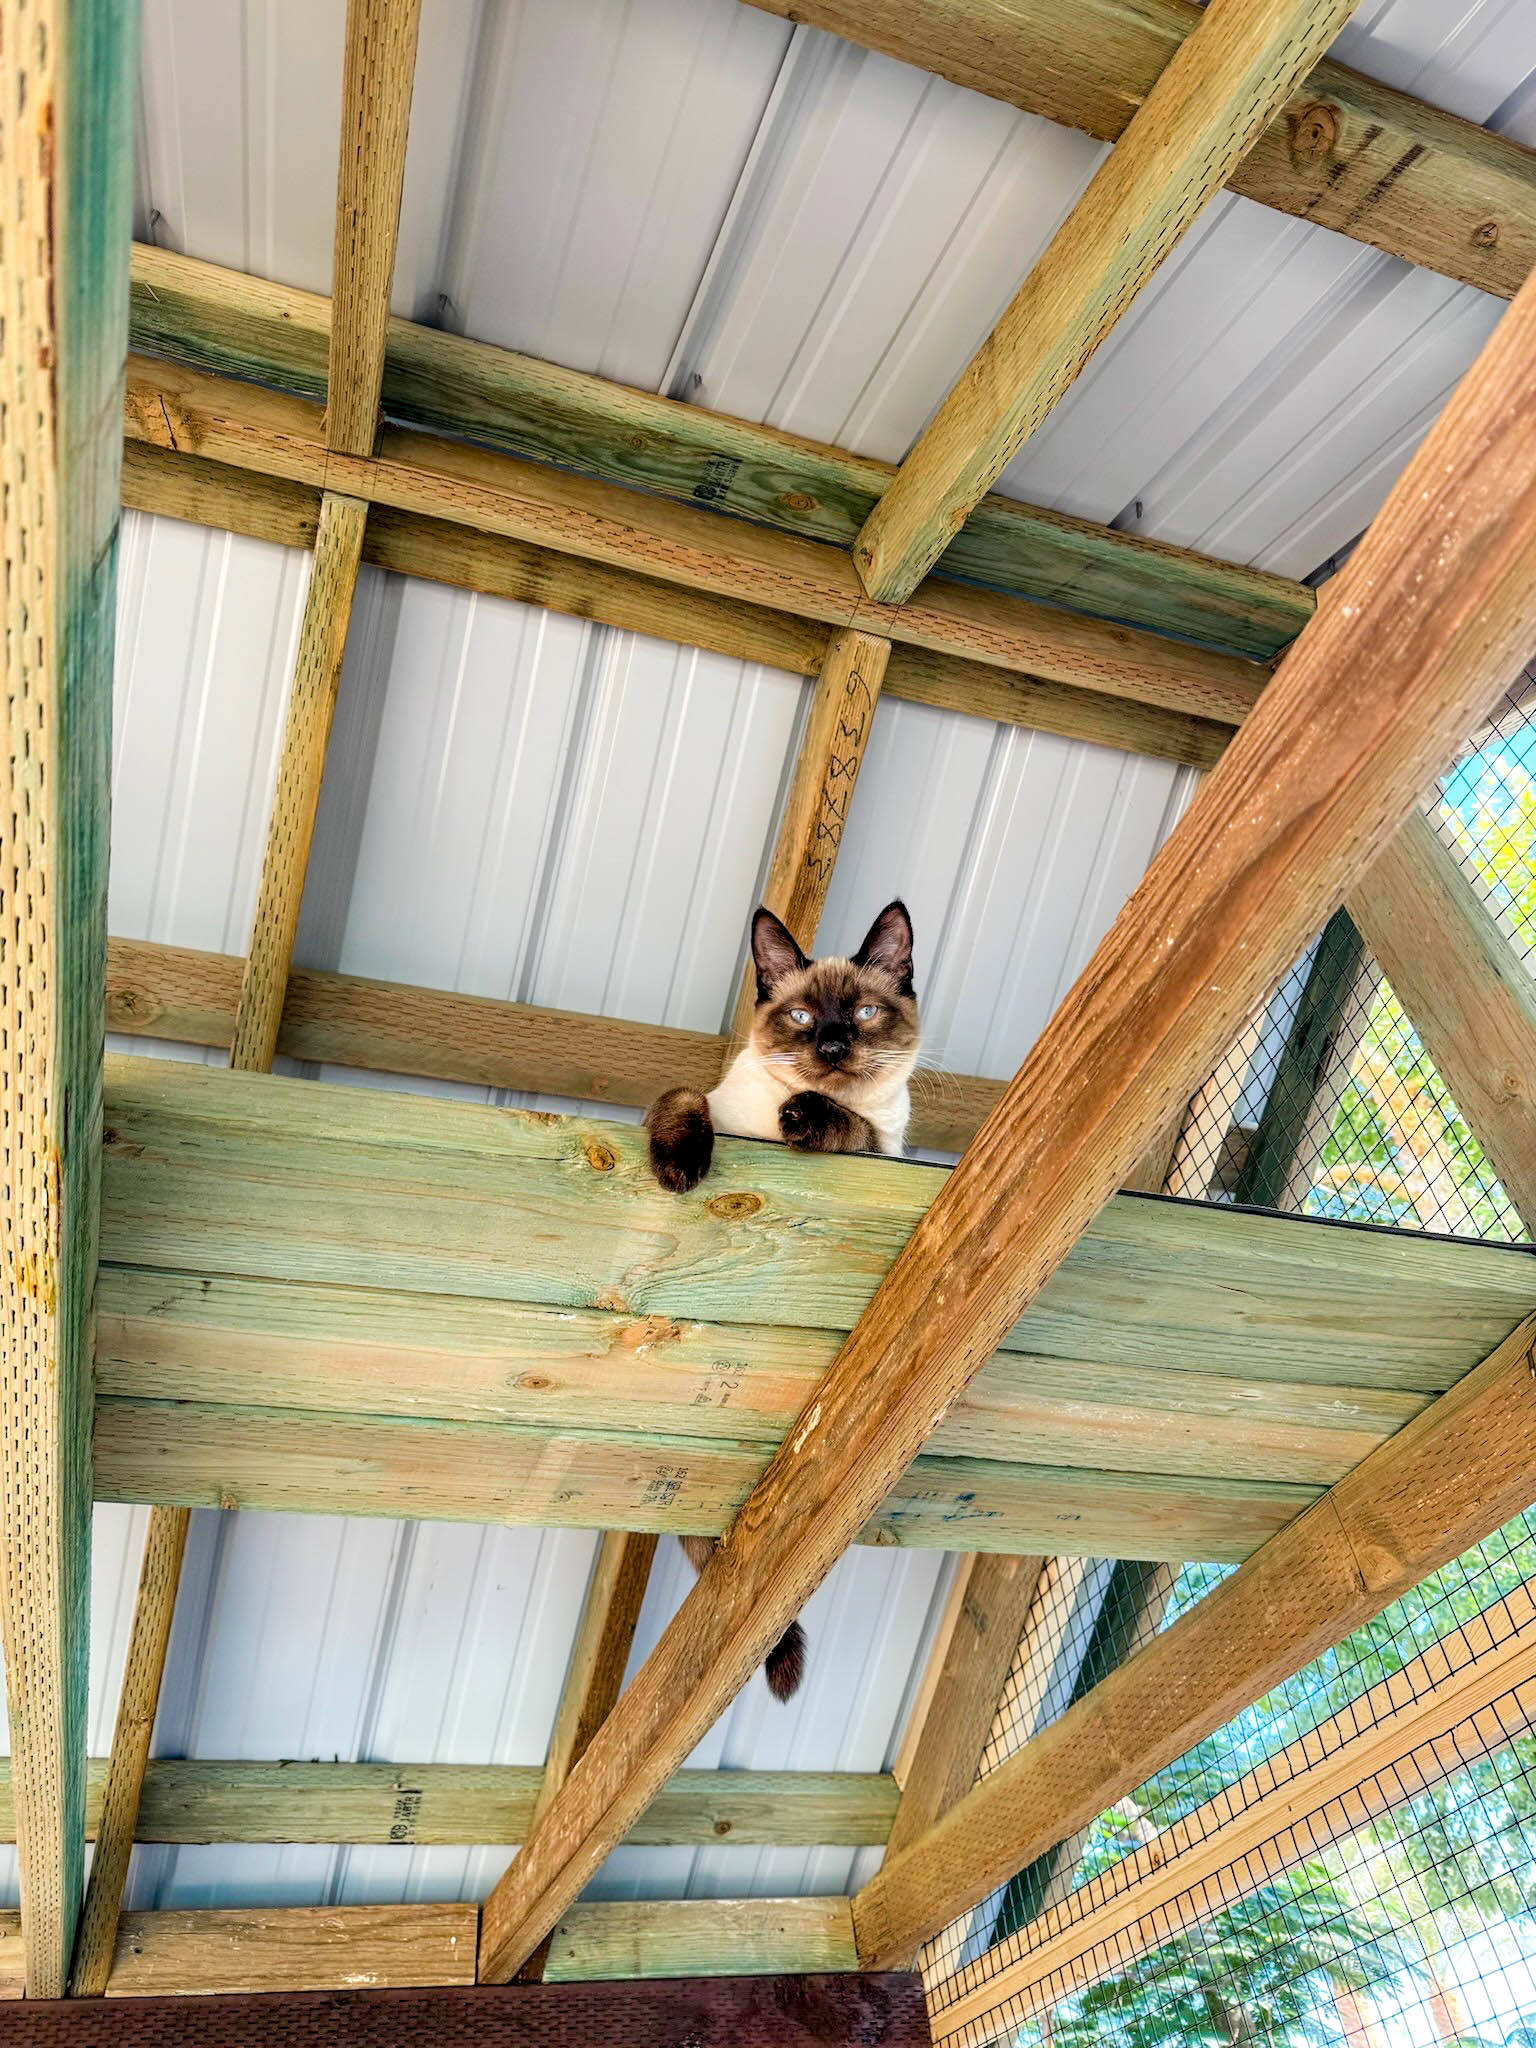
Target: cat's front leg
{"x":682,"y":1135}
{"x":815,"y":1123}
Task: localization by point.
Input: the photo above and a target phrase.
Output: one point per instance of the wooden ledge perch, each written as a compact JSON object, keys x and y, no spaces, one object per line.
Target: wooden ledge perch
{"x":333,"y":1299}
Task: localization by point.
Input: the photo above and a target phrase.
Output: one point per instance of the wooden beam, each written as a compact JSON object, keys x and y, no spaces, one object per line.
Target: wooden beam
{"x":973,"y":1660}
{"x":711,"y":2012}
{"x":66,"y":123}
{"x":276,"y":435}
{"x":842,"y":716}
{"x":702,"y":1938}
{"x":1462,"y":985}
{"x":604,"y":1633}
{"x":377,"y":78}
{"x":1220,"y":89}
{"x":219,"y":320}
{"x":165,"y":1540}
{"x":292,"y":1948}
{"x":1345,"y":152}
{"x":1451,"y":1477}
{"x":290,"y":828}
{"x":1458,"y":1702}
{"x":240,"y":501}
{"x":1437,"y":615}
{"x":456,"y":1805}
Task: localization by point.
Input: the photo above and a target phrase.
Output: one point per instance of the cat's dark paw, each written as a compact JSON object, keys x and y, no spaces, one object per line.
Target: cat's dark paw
{"x":682,"y":1139}
{"x":807,"y":1120}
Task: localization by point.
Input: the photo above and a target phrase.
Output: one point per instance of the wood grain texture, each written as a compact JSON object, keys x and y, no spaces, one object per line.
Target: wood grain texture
{"x":458,"y":1805}
{"x":994,"y":1604}
{"x":708,"y":2012}
{"x":66,"y":117}
{"x":837,"y":731}
{"x":276,"y":435}
{"x":242,"y":501}
{"x":293,"y":1948}
{"x":1446,"y":1481}
{"x":600,"y":1652}
{"x":416,"y":1201}
{"x":1344,"y":152}
{"x":165,"y":1540}
{"x":1437,"y":614}
{"x":1462,"y":983}
{"x":702,"y":1938}
{"x":1219,"y":90}
{"x":377,"y":76}
{"x":1459,"y":1701}
{"x":306,"y":733}
{"x":220,"y":320}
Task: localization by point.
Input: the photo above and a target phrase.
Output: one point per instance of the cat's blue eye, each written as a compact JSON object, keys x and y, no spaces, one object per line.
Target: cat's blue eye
{"x":865,"y":1011}
{"x":799,"y":1016}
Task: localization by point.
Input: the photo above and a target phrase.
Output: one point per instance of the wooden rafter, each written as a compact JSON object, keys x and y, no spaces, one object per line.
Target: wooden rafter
{"x":989,"y":1606}
{"x":841,"y":718}
{"x":686,"y":545}
{"x":376,"y":88}
{"x":153,"y":1611}
{"x":65,"y":186}
{"x":1438,"y":613}
{"x":220,"y":320}
{"x":242,"y":501}
{"x":1446,"y":1481}
{"x":1462,"y":984}
{"x":1345,"y":152}
{"x":1221,"y":87}
{"x":1456,"y":1702}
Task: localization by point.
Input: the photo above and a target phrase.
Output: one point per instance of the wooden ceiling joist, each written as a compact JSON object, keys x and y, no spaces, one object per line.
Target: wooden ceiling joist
{"x":203,"y":1799}
{"x":1344,"y":152}
{"x":65,"y":195}
{"x":1455,"y":1704}
{"x":1436,"y":615}
{"x":277,"y":435}
{"x":1221,"y":87}
{"x":268,"y":508}
{"x":222,"y":321}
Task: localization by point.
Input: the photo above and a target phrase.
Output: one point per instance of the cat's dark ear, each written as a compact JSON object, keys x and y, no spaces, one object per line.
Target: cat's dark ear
{"x":774,"y":952}
{"x":888,"y":945}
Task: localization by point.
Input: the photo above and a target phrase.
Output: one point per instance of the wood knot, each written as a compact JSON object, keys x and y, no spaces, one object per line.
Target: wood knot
{"x":1315,"y":131}
{"x":1486,"y":234}
{"x":733,"y":1208}
{"x":534,"y":1382}
{"x":636,"y":441}
{"x":132,"y":1006}
{"x":599,"y":1158}
{"x":722,"y":1827}
{"x":798,"y":501}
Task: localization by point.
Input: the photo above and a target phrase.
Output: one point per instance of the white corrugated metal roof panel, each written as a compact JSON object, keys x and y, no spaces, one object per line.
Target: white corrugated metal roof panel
{"x":689,"y":195}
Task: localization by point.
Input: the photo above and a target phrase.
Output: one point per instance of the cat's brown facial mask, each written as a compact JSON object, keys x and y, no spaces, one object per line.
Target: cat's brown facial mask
{"x":836,"y":1025}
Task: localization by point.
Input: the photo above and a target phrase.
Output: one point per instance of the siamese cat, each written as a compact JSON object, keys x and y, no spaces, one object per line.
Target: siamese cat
{"x":825,"y":1068}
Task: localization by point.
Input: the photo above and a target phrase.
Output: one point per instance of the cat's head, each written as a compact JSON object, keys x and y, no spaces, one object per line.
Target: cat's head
{"x":836,"y":1025}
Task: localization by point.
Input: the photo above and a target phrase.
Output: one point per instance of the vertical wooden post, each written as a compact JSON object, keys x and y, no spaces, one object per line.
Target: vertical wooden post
{"x":66,"y":74}
{"x":826,"y":770}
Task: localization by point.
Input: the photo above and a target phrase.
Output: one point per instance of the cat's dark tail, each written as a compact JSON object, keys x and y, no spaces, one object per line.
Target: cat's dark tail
{"x":784,"y":1666}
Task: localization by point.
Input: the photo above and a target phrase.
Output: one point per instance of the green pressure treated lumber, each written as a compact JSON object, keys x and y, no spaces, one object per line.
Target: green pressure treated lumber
{"x":1345,"y":152}
{"x":66,"y":101}
{"x":233,"y":1342}
{"x":213,"y":319}
{"x":208,"y":1172}
{"x":455,"y":1805}
{"x":629,"y":1938}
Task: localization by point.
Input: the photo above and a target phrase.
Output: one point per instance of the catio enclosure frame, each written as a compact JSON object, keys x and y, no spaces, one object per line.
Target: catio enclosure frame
{"x":518,"y":478}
